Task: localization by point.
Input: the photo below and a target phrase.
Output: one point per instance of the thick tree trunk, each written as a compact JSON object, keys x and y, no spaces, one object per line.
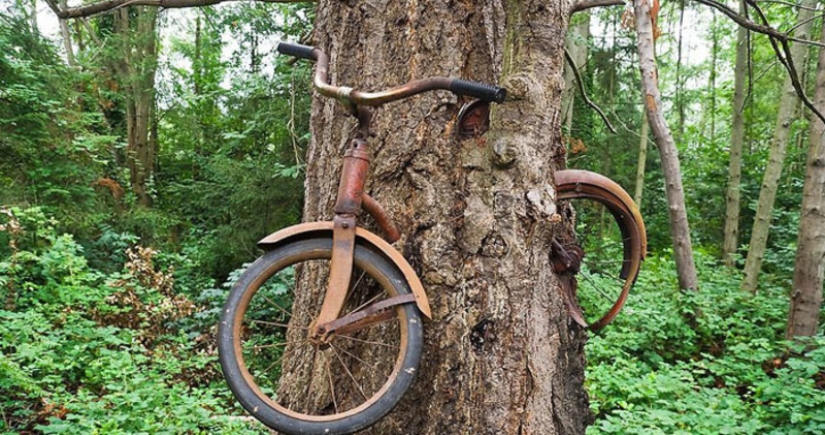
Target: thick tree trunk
{"x":806,"y":298}
{"x":732,"y":198}
{"x":642,"y":161}
{"x":477,"y":216}
{"x":788,"y":109}
{"x":679,"y":229}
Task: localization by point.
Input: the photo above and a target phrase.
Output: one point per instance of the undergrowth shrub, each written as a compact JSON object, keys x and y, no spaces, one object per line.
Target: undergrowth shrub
{"x":88,"y":352}
{"x":706,"y":362}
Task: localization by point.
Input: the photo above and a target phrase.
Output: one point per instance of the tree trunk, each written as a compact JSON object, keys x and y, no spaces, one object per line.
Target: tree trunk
{"x":788,"y":108}
{"x":679,"y":94}
{"x":732,"y":198}
{"x":679,"y":229}
{"x":640,"y":166}
{"x":576,"y":45}
{"x":136,"y":71}
{"x":712,"y":79}
{"x":477,"y":216}
{"x":67,"y":39}
{"x":806,"y":298}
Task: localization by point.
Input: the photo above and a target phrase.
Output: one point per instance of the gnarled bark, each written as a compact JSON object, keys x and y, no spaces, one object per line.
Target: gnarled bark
{"x":477,"y":216}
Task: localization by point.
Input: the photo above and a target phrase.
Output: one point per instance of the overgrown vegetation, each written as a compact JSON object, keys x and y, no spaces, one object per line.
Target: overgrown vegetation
{"x":85,"y":351}
{"x":704,"y":362}
{"x":108,"y":308}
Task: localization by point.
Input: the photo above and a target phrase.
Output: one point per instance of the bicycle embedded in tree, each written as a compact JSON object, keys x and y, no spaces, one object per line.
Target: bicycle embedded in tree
{"x":346,"y":355}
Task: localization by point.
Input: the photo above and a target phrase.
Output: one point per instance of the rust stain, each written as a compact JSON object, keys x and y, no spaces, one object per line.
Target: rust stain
{"x":651,"y":102}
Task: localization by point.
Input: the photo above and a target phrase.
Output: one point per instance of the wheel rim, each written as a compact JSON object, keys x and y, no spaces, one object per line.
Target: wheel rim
{"x":336,"y":390}
{"x":600,"y":202}
{"x":607,"y":270}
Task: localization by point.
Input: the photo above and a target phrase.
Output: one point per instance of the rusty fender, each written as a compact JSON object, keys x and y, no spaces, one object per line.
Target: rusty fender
{"x":324,"y":229}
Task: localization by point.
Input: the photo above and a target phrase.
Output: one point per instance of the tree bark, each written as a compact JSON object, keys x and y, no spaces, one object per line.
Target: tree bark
{"x":806,"y":297}
{"x":640,"y":166}
{"x":477,"y":216}
{"x":732,"y":197}
{"x":677,"y":213}
{"x":576,"y":44}
{"x":788,"y":109}
{"x":67,"y":39}
{"x":136,"y":74}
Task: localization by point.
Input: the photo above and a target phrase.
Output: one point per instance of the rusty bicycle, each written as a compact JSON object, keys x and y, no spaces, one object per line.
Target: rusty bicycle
{"x":345,"y":358}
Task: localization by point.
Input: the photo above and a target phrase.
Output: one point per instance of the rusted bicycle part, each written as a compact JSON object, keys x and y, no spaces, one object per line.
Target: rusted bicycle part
{"x":349,"y":377}
{"x":353,"y":98}
{"x":312,"y":230}
{"x":575,"y":184}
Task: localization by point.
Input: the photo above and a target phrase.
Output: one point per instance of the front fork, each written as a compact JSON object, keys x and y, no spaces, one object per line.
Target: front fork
{"x":347,"y":209}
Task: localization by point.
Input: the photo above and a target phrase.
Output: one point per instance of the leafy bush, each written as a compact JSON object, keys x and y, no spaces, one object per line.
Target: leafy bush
{"x":84,"y":352}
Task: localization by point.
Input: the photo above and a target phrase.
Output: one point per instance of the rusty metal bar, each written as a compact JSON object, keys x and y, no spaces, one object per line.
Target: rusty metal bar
{"x":353,"y":178}
{"x":367,"y":316}
{"x":381,"y":218}
{"x":343,"y":253}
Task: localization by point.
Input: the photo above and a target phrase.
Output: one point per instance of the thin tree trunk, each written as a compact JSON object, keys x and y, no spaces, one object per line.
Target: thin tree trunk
{"x":679,"y":95}
{"x":712,"y":80}
{"x":640,"y":166}
{"x":476,"y":216}
{"x":806,"y":297}
{"x":576,"y":45}
{"x":788,"y":107}
{"x":67,"y":38}
{"x":679,"y":229}
{"x":732,"y":197}
{"x":137,"y":74}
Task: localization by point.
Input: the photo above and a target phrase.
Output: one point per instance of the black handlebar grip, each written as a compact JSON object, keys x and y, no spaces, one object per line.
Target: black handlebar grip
{"x":297,"y":50}
{"x":478,"y":90}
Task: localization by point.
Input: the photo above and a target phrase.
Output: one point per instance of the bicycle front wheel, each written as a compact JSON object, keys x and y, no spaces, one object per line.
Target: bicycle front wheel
{"x":297,"y":384}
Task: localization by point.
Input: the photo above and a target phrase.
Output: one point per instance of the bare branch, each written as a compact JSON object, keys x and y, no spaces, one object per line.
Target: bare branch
{"x":795,"y":5}
{"x":776,"y":39}
{"x":584,"y":93}
{"x":786,"y":59}
{"x":588,"y":4}
{"x":107,"y":5}
{"x":758,"y":28}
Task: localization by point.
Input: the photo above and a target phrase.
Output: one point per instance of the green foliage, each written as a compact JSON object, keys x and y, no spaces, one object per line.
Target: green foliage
{"x":82,"y":351}
{"x":712,"y":361}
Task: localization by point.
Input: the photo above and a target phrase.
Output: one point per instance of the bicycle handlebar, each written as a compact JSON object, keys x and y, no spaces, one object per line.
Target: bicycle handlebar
{"x":458,"y":86}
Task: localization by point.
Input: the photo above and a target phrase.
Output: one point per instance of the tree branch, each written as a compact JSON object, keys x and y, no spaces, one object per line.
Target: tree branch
{"x":593,"y":105}
{"x":786,"y":59}
{"x":776,"y":39}
{"x":758,"y":28}
{"x":588,"y":4}
{"x":107,"y":5}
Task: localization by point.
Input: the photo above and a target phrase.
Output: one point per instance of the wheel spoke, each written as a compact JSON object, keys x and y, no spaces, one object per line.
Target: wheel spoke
{"x":341,"y":360}
{"x":332,"y":389}
{"x":596,"y":287}
{"x":368,"y":341}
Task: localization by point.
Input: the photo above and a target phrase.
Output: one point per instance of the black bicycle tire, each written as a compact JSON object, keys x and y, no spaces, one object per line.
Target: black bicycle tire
{"x":272,"y":417}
